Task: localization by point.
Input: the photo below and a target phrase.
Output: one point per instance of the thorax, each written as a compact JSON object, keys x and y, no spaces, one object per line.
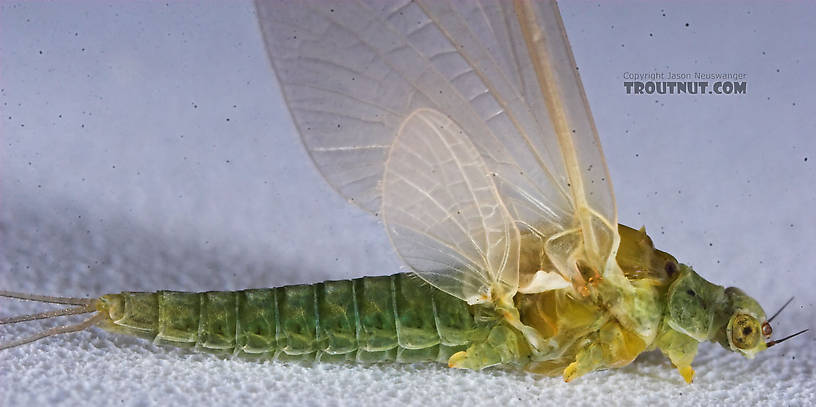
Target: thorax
{"x":623,"y":315}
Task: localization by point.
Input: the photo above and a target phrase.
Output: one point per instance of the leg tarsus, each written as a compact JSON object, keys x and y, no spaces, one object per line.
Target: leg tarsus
{"x":587,"y":360}
{"x":687,"y":372}
{"x":681,"y":350}
{"x":501,"y":346}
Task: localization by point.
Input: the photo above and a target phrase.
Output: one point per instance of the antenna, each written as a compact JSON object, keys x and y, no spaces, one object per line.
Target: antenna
{"x":780,"y":309}
{"x":772,"y":343}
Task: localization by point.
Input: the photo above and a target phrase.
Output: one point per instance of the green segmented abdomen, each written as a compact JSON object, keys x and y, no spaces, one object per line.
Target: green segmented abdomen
{"x":369,"y":319}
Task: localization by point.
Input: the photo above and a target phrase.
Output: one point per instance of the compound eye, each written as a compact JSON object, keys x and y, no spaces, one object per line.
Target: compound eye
{"x":766,"y":329}
{"x":745,"y":331}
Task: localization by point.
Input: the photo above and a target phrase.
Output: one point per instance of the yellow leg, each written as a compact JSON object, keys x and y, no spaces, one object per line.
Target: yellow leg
{"x":612,"y":347}
{"x":680,"y":349}
{"x":502,"y":345}
{"x":687,"y":372}
{"x":587,"y":360}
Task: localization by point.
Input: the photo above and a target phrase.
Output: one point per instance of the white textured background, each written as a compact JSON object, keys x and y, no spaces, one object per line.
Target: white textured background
{"x":145,"y":146}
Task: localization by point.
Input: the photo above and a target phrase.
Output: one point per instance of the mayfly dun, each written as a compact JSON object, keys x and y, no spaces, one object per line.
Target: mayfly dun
{"x":465,"y":127}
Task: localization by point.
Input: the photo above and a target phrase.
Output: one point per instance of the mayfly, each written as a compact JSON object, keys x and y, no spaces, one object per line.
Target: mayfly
{"x":465,"y":127}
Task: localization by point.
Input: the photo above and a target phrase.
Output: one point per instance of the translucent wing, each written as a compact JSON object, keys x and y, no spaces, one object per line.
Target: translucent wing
{"x":355,"y":73}
{"x":443,"y":211}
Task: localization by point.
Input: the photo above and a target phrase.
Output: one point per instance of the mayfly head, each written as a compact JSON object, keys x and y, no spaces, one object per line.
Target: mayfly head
{"x":747,"y":331}
{"x":706,"y":311}
{"x":746,"y":327}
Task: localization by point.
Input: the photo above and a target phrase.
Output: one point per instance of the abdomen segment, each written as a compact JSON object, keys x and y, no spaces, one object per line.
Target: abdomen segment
{"x":371,"y":319}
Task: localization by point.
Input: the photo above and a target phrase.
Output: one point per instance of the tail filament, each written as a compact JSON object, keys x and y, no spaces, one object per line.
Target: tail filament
{"x":81,"y":306}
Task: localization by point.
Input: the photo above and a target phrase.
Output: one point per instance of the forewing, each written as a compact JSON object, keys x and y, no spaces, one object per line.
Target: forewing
{"x":352,"y":74}
{"x":571,"y":123}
